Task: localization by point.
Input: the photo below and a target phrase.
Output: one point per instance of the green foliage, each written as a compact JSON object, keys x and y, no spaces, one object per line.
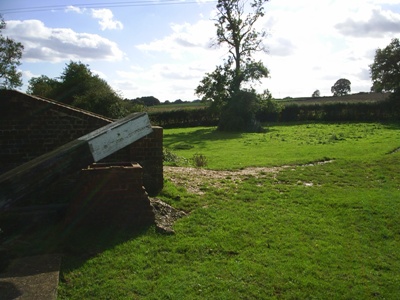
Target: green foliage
{"x":344,"y":108}
{"x":184,"y":117}
{"x":43,"y":86}
{"x":316,"y":94}
{"x":76,"y":79}
{"x":199,"y":160}
{"x":341,"y":87}
{"x":215,"y":88}
{"x":147,"y":101}
{"x":331,"y":112}
{"x":171,"y":158}
{"x":101,"y":99}
{"x":385,"y":71}
{"x":240,"y":113}
{"x":10,"y":55}
{"x":79,"y":87}
{"x":168,"y":106}
{"x":131,"y":106}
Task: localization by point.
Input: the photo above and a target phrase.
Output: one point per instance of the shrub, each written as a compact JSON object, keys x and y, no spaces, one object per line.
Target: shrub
{"x":240,"y":113}
{"x":199,"y":160}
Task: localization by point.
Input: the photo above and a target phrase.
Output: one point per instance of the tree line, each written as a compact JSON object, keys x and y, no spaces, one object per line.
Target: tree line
{"x":379,"y":111}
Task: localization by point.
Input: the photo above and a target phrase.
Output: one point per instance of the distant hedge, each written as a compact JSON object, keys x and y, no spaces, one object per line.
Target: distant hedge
{"x":374,"y":111}
{"x":388,"y":110}
{"x":184,"y":118}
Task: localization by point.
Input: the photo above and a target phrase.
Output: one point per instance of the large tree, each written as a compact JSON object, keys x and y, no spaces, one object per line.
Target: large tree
{"x":76,"y":80}
{"x":79,"y":87}
{"x":236,"y":30}
{"x":341,"y":87}
{"x":385,"y":71}
{"x":10,"y":55}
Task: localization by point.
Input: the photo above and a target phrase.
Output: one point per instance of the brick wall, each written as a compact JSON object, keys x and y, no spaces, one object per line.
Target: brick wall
{"x":111,"y":195}
{"x":32,"y":126}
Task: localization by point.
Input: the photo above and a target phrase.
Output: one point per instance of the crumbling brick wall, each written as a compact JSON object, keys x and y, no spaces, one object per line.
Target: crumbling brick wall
{"x":32,"y":126}
{"x":110,"y":195}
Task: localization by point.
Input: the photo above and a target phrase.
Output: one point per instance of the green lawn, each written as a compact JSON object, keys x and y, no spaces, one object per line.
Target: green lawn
{"x":322,"y":231}
{"x":280,"y":145}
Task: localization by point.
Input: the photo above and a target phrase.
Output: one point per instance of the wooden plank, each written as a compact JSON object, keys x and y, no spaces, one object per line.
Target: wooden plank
{"x":115,"y":136}
{"x":71,"y":157}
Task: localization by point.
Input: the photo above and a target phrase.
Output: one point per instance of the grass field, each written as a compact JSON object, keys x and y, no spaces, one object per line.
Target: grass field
{"x":303,"y":231}
{"x":351,"y":98}
{"x":175,"y":106}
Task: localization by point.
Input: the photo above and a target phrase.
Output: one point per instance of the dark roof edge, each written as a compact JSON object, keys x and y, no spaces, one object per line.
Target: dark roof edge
{"x":60,"y":104}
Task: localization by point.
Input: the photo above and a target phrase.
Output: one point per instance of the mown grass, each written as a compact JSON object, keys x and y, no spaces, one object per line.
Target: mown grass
{"x":325,"y":231}
{"x":284,"y":144}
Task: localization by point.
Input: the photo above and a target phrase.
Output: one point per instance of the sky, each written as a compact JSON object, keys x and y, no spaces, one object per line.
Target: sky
{"x":163,"y":48}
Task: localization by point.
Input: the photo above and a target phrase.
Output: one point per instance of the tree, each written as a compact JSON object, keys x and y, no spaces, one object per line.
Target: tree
{"x":76,"y":81}
{"x":235,"y":29}
{"x":385,"y":70}
{"x":316,"y":94}
{"x":43,"y":86}
{"x":341,"y":87}
{"x":101,"y":99}
{"x":10,"y":55}
{"x":215,"y":87}
{"x":147,"y":100}
{"x":78,"y":86}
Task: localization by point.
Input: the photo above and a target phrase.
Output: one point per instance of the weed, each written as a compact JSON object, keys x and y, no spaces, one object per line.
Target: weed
{"x":171,"y":158}
{"x":199,"y":160}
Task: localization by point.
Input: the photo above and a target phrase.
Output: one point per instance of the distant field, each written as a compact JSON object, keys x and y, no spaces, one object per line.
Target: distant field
{"x":353,"y":98}
{"x":169,"y":107}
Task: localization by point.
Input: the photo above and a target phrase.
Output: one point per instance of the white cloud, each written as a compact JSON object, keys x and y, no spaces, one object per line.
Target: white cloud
{"x":183,"y":39}
{"x":75,"y":9}
{"x":56,"y":44}
{"x":379,"y":23}
{"x":281,"y":47}
{"x":106,"y":18}
{"x":100,"y":74}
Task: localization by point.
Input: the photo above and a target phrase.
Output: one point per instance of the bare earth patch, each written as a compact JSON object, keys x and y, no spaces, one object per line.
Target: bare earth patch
{"x":193,"y":179}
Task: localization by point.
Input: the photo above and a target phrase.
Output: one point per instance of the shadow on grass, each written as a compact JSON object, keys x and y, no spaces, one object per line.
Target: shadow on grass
{"x":393,"y":126}
{"x":199,"y":137}
{"x":77,"y":244}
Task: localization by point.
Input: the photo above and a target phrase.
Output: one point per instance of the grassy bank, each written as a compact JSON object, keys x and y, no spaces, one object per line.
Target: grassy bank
{"x":306,"y":230}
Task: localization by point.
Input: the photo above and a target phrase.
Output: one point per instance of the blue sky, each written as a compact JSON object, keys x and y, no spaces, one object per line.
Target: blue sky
{"x":162,"y":48}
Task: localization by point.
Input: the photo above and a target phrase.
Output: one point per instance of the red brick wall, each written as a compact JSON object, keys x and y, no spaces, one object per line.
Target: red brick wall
{"x":112,"y":196}
{"x":32,"y":126}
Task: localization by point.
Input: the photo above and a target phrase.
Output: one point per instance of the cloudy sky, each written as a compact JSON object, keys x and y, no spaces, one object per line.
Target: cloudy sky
{"x":162,"y":48}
